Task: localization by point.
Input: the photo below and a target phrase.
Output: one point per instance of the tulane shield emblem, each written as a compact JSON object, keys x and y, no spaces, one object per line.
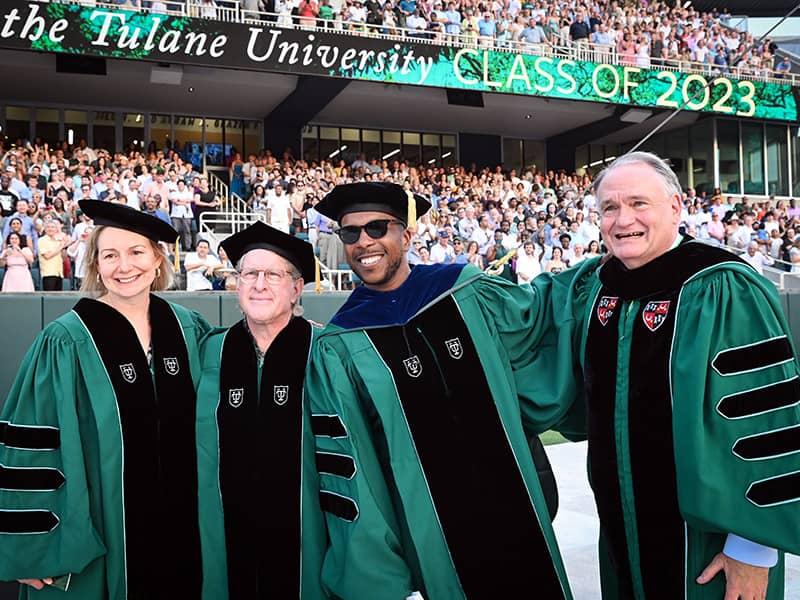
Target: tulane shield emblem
{"x":171,"y":365}
{"x":413,"y":366}
{"x":128,"y":372}
{"x":280,"y":393}
{"x":655,"y":313}
{"x":454,"y":348}
{"x":236,"y":397}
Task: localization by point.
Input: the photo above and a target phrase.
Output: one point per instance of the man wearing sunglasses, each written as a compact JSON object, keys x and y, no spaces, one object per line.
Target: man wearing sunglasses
{"x":425,"y":389}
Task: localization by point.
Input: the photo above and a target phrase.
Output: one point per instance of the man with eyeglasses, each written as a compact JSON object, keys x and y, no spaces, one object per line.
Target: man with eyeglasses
{"x":427,"y":387}
{"x":262,"y":529}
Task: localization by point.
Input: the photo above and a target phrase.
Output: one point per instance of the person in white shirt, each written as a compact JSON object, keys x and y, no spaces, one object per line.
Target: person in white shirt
{"x":279,"y":209}
{"x":528,"y":262}
{"x":589,"y":229}
{"x":756,"y":258}
{"x":442,"y":252}
{"x":200,"y":267}
{"x":181,"y":213}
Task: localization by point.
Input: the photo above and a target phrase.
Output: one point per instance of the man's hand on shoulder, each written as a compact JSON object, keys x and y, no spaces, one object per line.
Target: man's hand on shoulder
{"x":742,"y":581}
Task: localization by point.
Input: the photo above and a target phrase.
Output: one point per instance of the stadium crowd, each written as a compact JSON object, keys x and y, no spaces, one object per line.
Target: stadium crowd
{"x":517,"y":224}
{"x":641,"y":34}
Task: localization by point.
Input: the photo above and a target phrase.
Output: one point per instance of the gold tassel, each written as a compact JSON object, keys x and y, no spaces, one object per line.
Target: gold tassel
{"x":177,"y":264}
{"x":317,"y":277}
{"x":496,"y":266}
{"x":412,"y":212}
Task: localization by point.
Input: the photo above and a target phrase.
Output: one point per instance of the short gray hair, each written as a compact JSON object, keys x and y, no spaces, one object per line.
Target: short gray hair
{"x":671,"y":183}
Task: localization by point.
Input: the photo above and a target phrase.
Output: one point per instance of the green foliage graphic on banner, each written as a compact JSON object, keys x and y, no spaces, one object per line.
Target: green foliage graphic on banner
{"x":263,"y":46}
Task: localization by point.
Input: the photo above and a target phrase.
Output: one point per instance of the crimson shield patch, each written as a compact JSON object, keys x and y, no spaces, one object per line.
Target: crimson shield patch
{"x":655,"y":313}
{"x":606,"y":307}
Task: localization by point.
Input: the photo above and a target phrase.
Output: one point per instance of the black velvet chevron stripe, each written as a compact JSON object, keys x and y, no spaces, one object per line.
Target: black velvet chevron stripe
{"x":30,"y":479}
{"x":769,"y":445}
{"x":755,"y":402}
{"x":777,"y":490}
{"x":339,"y":506}
{"x":336,"y":464}
{"x":26,"y":437}
{"x":328,"y":426}
{"x":752,"y":357}
{"x":27,"y":521}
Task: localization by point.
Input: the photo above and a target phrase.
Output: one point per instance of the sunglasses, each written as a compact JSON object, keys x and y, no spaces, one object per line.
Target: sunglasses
{"x":349,"y":234}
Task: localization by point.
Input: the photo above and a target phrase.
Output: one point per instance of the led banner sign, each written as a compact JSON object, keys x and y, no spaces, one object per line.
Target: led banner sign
{"x":76,"y":29}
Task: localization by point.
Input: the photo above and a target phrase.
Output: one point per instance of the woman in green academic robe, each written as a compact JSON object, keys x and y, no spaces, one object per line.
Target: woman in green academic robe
{"x":263,"y":534}
{"x":98,"y":484}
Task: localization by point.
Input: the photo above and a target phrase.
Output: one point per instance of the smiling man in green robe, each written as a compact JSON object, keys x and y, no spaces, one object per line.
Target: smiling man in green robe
{"x":425,"y":389}
{"x":261,"y":527}
{"x":692,"y":396}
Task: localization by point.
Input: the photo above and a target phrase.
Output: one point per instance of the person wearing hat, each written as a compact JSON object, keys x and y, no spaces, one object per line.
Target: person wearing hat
{"x":427,"y":383}
{"x":256,"y":453}
{"x":98,"y":490}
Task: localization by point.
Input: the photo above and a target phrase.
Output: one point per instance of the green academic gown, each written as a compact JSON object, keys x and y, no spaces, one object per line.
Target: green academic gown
{"x":692,"y":396}
{"x":428,"y":395}
{"x":262,"y":530}
{"x":98,"y":458}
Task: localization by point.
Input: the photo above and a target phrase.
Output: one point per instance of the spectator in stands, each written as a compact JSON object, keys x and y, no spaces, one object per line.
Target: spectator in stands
{"x":181,"y":214}
{"x":783,"y":68}
{"x":27,"y":225}
{"x":16,"y":257}
{"x":205,"y":200}
{"x":200,"y":267}
{"x":51,"y":261}
{"x":473,"y":254}
{"x":8,"y":197}
{"x":77,"y":252}
{"x":442,"y":252}
{"x":756,"y":256}
{"x":579,"y":30}
{"x":151,"y":207}
{"x":279,"y":209}
{"x":556,"y":264}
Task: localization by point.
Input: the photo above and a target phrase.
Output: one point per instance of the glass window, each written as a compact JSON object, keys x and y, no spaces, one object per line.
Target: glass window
{"x":310,"y":144}
{"x":371,"y":143}
{"x":449,"y":154}
{"x":234,"y":139}
{"x":329,"y":143}
{"x":18,"y":123}
{"x":253,"y":140}
{"x":582,"y":157}
{"x":133,"y":131}
{"x":512,"y":154}
{"x":188,"y":140}
{"x":777,"y":160}
{"x":104,"y":130}
{"x":411,"y":150}
{"x":216,"y":154}
{"x":46,"y":126}
{"x":753,"y":155}
{"x":75,"y":127}
{"x":391,"y":145}
{"x":728,"y":143}
{"x":796,"y":163}
{"x":161,"y":131}
{"x":351,"y":145}
{"x":430,"y":149}
{"x":676,"y":152}
{"x":533,"y":155}
{"x":701,"y":157}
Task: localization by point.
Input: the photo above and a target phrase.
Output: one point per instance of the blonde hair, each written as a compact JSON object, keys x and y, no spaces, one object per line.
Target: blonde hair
{"x":93,"y":284}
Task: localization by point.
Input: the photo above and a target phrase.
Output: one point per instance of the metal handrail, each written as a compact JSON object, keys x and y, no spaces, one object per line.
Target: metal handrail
{"x":562,"y":48}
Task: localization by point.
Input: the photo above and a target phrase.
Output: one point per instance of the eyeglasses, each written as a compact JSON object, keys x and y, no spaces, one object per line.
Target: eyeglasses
{"x":250,"y":276}
{"x":349,"y":234}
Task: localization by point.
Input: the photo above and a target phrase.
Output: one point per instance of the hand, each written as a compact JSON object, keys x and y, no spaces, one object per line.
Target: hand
{"x":742,"y":581}
{"x":37,"y":584}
